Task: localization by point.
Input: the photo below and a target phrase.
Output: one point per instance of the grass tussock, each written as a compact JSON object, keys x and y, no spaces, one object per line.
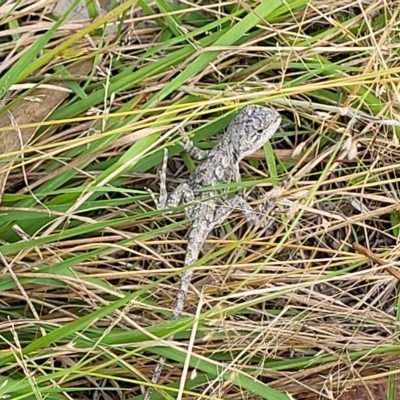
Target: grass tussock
{"x":90,"y":268}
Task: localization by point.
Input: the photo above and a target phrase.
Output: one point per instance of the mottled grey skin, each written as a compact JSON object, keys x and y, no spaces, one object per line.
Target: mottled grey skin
{"x":248,"y":132}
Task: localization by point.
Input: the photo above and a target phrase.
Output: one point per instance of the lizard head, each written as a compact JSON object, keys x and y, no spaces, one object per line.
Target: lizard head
{"x":251,"y":129}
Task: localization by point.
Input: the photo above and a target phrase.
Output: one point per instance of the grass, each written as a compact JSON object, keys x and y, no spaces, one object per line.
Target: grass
{"x":91,"y":268}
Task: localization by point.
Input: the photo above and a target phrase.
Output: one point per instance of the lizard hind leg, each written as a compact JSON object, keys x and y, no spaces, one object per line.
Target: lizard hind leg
{"x":253,"y":217}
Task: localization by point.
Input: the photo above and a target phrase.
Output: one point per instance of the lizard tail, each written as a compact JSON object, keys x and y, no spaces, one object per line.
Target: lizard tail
{"x":155,"y":377}
{"x":195,"y":241}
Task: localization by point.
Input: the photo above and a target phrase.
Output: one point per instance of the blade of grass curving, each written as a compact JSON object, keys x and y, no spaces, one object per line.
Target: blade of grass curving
{"x":228,"y":38}
{"x":132,"y":76}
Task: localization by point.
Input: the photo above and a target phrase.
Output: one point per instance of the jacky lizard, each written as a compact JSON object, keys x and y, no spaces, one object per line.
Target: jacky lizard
{"x":248,"y":132}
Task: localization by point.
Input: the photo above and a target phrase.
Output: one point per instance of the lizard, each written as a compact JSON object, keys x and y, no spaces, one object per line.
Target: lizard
{"x":208,"y":209}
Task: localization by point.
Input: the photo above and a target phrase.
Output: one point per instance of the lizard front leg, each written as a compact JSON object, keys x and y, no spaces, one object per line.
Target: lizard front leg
{"x":194,"y":151}
{"x":183,"y":191}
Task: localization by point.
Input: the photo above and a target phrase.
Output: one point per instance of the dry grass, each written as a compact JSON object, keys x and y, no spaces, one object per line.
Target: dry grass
{"x":90,"y":269}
